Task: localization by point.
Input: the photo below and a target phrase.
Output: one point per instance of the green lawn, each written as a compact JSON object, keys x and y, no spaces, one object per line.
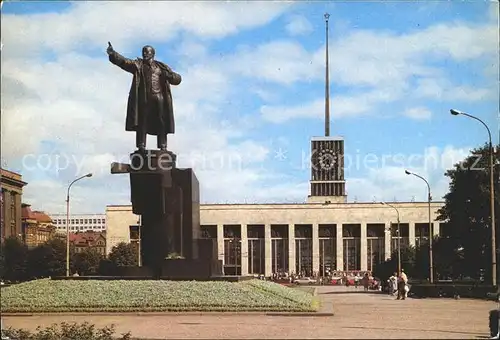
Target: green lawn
{"x":153,"y":296}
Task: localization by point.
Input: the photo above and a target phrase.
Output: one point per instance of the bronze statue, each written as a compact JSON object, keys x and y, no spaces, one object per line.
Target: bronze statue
{"x":149,"y":110}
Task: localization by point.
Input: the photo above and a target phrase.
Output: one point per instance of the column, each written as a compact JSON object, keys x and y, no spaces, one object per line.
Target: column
{"x":268,"y":261}
{"x":364,"y":247}
{"x":6,"y":217}
{"x":315,"y":248}
{"x":435,"y":228}
{"x":387,"y":239}
{"x":340,"y":248}
{"x":2,"y":213}
{"x":220,"y":242}
{"x":18,"y":212}
{"x":244,"y":250}
{"x":291,"y":248}
{"x":411,"y":233}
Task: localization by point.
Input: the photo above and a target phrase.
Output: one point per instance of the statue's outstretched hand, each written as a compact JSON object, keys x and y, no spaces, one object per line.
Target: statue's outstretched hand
{"x":110,"y":49}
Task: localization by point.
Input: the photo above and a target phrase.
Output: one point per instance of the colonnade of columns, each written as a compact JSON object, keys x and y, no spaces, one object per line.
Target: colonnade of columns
{"x":292,"y":258}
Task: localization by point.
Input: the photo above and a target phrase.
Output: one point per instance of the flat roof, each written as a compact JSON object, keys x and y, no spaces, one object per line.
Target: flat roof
{"x":295,"y":204}
{"x":329,"y":138}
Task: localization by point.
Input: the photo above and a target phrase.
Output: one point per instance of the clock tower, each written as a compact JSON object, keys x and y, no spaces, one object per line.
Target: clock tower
{"x":327,"y":170}
{"x":327,"y":155}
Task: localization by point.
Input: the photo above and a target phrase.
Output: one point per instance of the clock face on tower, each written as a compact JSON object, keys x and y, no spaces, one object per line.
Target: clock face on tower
{"x":327,"y":159}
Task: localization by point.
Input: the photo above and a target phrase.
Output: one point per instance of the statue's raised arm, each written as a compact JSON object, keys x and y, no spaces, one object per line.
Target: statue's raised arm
{"x":119,"y":60}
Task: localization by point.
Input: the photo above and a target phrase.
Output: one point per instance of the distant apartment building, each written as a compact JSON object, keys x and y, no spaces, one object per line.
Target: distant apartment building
{"x":80,"y":222}
{"x":37,"y":226}
{"x":11,"y":184}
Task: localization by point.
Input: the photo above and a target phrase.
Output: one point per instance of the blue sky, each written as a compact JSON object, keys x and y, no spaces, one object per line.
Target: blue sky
{"x":252,"y":93}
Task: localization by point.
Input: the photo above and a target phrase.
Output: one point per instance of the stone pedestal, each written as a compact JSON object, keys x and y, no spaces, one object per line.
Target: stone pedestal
{"x":155,"y":197}
{"x":168,"y":201}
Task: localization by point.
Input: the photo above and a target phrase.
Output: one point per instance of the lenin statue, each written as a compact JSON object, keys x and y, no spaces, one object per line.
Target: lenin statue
{"x":149,"y":110}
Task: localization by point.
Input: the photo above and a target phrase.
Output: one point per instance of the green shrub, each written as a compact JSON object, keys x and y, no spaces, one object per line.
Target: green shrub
{"x":66,"y":331}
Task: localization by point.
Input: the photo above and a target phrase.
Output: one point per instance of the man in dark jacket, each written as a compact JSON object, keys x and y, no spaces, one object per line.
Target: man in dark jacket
{"x":149,"y":110}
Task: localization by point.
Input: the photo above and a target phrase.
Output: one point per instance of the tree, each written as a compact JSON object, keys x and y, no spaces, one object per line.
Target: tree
{"x":468,"y":214}
{"x":14,"y":256}
{"x":87,"y":262}
{"x":408,"y":259}
{"x":447,"y":259}
{"x":48,"y":259}
{"x":123,"y":254}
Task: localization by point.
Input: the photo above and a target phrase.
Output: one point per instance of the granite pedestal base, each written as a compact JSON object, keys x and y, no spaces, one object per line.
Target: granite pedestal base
{"x":168,"y":201}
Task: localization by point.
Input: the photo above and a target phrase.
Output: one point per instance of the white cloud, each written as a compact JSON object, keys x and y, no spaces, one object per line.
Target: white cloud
{"x":387,"y":180}
{"x":193,"y":50}
{"x":443,"y":90}
{"x":282,"y":62}
{"x":298,"y":25}
{"x":341,"y":106}
{"x":382,"y":64}
{"x":125,"y":23}
{"x":370,"y":58}
{"x":418,"y":113}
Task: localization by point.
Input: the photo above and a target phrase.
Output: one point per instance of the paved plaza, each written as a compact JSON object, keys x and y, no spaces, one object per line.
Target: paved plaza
{"x":357,"y":315}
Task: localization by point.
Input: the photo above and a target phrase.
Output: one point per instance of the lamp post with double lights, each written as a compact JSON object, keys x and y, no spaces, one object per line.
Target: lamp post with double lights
{"x":399,"y":234}
{"x":492,"y":197}
{"x":139,"y":235}
{"x":67,"y":219}
{"x":236,"y":242}
{"x":431,"y":231}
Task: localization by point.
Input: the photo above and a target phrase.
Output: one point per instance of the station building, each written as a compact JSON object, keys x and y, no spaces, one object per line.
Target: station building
{"x":324,"y":234}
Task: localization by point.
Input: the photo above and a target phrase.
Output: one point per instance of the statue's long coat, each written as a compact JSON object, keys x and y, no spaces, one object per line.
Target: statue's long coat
{"x":136,"y":104}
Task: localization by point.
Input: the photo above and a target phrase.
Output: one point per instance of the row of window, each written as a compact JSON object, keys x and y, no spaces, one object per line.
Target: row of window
{"x":305,"y":231}
{"x":83,"y":228}
{"x":304,"y":255}
{"x":99,"y":248}
{"x":80,"y":221}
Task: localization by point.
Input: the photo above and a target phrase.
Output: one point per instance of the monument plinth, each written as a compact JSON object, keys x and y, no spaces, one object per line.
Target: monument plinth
{"x":168,"y":201}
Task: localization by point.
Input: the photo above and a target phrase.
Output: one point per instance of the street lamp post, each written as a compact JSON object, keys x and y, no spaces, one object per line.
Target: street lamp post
{"x":431,"y":229}
{"x":492,"y":198}
{"x":323,"y":258}
{"x":235,"y":241}
{"x":399,"y":235}
{"x":139,"y":248}
{"x":67,"y":220}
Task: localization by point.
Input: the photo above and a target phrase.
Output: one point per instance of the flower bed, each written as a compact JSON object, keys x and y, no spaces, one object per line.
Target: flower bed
{"x":294,"y":295}
{"x":152,"y":296}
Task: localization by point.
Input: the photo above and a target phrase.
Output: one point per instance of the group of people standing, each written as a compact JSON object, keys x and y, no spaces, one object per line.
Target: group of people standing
{"x":365,"y":281}
{"x":399,"y":285}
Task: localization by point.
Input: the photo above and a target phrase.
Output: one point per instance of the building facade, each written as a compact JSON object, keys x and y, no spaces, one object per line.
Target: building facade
{"x":300,"y":238}
{"x":89,"y":239}
{"x":80,"y":222}
{"x":37,"y":227}
{"x":11,"y":185}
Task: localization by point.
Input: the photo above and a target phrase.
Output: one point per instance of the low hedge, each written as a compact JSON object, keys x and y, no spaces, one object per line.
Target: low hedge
{"x":65,"y":331}
{"x":451,"y":290}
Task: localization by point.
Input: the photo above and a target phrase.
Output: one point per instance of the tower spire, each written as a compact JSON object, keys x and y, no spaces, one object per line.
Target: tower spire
{"x":327,"y":83}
